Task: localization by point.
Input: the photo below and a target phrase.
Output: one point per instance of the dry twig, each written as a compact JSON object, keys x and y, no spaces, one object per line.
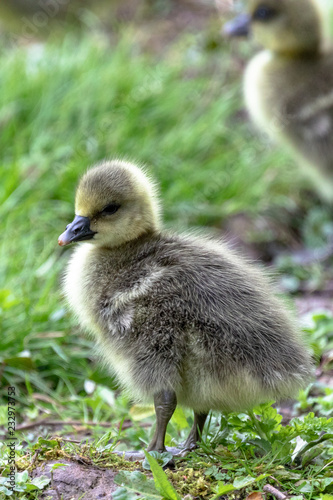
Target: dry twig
{"x":276,"y":493}
{"x":25,"y":427}
{"x":34,"y":458}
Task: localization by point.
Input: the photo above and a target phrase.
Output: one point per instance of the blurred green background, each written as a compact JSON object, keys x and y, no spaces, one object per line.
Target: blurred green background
{"x":152,"y":81}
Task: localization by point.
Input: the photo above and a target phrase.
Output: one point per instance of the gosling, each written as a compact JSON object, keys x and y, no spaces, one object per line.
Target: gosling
{"x":288,"y":87}
{"x":179,"y":319}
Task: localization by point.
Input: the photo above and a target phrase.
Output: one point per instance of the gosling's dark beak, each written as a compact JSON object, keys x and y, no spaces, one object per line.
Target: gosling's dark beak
{"x":77,"y":230}
{"x":239,"y":26}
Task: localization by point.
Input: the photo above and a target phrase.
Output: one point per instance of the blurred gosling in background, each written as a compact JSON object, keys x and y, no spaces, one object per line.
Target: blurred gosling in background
{"x":179,"y":319}
{"x":289,"y":86}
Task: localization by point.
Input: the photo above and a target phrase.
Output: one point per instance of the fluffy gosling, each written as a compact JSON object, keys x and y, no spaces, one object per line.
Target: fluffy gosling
{"x":288,"y":86}
{"x":178,"y":319}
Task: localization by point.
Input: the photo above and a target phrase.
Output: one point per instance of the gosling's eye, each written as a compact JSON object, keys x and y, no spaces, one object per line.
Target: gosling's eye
{"x":264,"y":13}
{"x":111,"y":209}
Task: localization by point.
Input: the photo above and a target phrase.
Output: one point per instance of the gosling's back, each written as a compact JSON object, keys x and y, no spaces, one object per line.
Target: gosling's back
{"x":186,"y":314}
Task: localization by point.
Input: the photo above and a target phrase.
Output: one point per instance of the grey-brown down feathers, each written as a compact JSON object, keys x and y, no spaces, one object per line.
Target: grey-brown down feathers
{"x":186,"y":314}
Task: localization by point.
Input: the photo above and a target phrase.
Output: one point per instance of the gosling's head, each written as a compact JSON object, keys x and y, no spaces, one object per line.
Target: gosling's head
{"x":287,"y":27}
{"x":115,"y":203}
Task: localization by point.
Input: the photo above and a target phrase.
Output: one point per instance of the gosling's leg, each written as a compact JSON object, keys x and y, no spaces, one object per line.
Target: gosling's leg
{"x":165,"y":404}
{"x":195,"y":432}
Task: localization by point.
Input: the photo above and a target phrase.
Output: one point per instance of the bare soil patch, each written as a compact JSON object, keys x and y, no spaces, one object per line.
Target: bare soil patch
{"x":76,"y":481}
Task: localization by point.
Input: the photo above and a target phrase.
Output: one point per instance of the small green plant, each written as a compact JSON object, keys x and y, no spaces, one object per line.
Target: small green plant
{"x":133,"y":484}
{"x":137,"y":483}
{"x":23,"y":484}
{"x":162,"y":459}
{"x":161,"y":481}
{"x":249,"y":448}
{"x":319,"y":330}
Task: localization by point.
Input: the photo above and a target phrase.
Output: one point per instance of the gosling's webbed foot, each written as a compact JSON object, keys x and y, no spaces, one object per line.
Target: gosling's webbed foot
{"x":191,"y":443}
{"x":131,"y":456}
{"x":194,"y":436}
{"x":137,"y":455}
{"x":185,"y":449}
{"x":175,"y":451}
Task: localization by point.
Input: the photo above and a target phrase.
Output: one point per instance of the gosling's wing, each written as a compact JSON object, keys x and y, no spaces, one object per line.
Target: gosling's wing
{"x":206,"y":307}
{"x":304,"y":118}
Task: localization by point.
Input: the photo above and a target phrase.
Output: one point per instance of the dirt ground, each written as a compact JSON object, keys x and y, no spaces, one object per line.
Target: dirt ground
{"x":75,"y":480}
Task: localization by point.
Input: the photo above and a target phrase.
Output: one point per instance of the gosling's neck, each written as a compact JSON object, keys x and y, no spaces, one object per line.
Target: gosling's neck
{"x":125,"y":245}
{"x":290,"y":54}
{"x":130,"y":253}
{"x":297,"y":46}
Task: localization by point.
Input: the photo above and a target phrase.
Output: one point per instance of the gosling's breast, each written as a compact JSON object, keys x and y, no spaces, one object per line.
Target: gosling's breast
{"x":84,"y":286}
{"x":257,"y":92}
{"x":77,"y":286}
{"x":105,"y":296}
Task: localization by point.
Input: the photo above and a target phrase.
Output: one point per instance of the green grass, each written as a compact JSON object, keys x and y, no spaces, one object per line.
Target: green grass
{"x":65,"y":106}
